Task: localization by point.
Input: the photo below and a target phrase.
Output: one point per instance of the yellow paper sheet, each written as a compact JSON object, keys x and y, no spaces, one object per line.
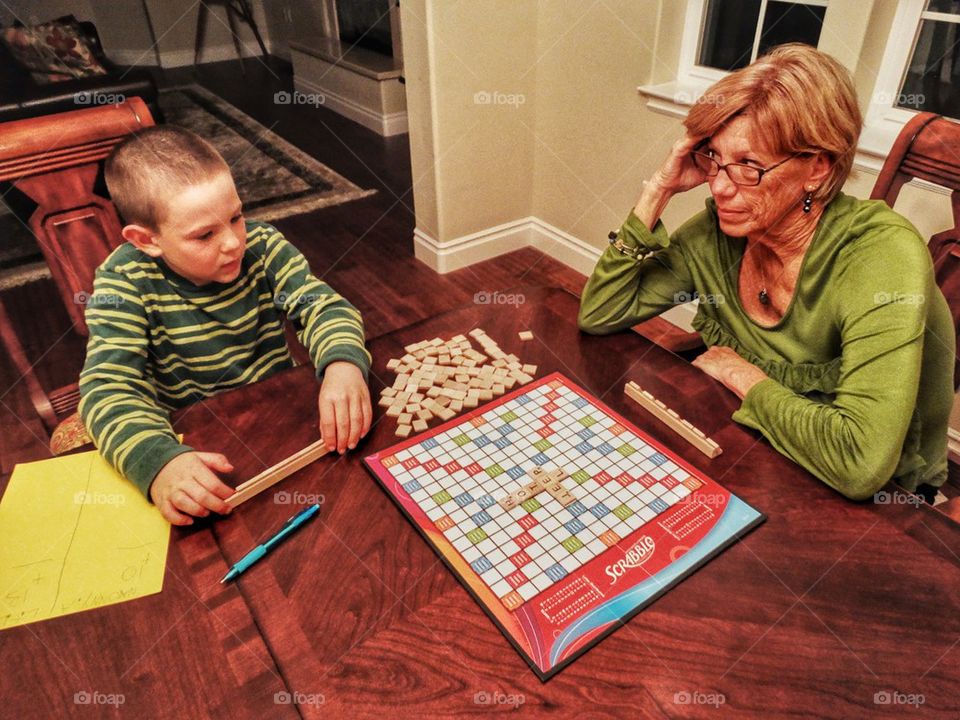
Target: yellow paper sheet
{"x":74,"y":535}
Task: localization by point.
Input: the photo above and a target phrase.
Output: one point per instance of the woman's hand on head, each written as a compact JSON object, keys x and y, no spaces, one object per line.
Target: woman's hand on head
{"x":678,"y":173}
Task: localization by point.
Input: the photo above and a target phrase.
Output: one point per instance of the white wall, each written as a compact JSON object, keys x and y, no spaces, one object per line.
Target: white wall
{"x":294,"y":20}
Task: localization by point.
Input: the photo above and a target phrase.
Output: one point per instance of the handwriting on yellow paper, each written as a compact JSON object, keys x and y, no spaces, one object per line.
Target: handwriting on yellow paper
{"x":74,"y":536}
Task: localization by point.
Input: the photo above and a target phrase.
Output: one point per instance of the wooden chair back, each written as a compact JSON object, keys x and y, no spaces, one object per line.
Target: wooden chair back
{"x":55,"y":161}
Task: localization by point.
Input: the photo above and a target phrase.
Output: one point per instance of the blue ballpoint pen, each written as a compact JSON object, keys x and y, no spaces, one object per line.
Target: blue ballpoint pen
{"x":289,"y":527}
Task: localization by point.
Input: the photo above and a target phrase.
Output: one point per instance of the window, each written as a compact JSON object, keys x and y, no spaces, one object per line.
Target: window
{"x":723,"y":35}
{"x":931,"y":79}
{"x":736,"y":32}
{"x":918,"y":67}
{"x":918,"y":72}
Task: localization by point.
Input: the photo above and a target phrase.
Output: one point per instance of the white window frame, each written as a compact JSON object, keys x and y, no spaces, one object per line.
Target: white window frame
{"x":690,"y":48}
{"x":882,"y":120}
{"x":674,"y":97}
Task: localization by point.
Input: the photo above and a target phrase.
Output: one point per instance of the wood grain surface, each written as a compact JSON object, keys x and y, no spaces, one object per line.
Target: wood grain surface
{"x":830,"y":609}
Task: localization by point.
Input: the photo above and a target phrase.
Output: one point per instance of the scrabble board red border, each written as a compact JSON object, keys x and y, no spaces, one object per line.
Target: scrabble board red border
{"x":549,"y":641}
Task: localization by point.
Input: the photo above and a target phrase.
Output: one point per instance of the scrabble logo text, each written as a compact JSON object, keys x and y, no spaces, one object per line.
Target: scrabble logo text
{"x":636,"y":556}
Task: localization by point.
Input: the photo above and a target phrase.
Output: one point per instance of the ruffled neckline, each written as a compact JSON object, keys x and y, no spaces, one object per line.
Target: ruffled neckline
{"x":799,"y":377}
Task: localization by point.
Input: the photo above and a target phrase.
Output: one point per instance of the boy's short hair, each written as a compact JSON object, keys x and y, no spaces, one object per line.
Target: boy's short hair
{"x":143,"y":169}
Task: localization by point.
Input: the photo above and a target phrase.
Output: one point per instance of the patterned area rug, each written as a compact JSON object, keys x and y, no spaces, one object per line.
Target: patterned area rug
{"x":274,"y":178}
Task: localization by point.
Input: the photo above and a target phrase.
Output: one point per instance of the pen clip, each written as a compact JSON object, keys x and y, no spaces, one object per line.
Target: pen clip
{"x":297,"y":516}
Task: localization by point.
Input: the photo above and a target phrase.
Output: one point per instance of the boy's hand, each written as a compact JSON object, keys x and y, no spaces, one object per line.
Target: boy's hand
{"x":345,"y":413}
{"x":186,"y":486}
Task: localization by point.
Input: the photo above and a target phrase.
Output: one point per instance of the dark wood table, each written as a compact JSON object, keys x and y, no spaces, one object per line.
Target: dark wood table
{"x":829,"y":609}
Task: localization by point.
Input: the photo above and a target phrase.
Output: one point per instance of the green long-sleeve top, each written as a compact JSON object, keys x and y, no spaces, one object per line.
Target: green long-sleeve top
{"x":860,"y":367}
{"x":158,"y":342}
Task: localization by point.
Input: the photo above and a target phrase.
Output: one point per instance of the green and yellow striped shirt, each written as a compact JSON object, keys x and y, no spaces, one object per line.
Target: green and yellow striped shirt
{"x":158,"y":342}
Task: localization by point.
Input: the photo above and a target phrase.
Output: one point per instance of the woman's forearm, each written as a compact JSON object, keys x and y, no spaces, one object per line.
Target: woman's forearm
{"x":653,"y":199}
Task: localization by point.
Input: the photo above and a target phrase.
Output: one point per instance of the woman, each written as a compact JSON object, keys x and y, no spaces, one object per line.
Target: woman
{"x":824,"y":316}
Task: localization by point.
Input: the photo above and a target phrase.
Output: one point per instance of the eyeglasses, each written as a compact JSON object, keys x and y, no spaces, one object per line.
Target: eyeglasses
{"x":739,"y":173}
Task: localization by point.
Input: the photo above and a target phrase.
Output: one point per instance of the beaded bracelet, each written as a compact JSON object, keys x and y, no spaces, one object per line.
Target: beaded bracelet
{"x":635,"y":253}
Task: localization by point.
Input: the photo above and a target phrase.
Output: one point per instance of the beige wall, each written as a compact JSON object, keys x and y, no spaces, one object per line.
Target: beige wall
{"x":575,"y":153}
{"x":418,"y":44}
{"x":470,"y":92}
{"x":871,"y":54}
{"x":595,"y":139}
{"x":123,"y":28}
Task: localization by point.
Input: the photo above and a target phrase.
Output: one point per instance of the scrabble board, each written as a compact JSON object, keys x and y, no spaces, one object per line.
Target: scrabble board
{"x":491,"y":492}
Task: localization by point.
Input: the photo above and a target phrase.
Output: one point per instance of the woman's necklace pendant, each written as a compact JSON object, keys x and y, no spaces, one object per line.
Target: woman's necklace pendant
{"x":763,"y":297}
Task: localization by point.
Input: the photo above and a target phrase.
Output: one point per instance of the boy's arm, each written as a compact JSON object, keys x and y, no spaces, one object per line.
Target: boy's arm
{"x":118,"y":403}
{"x":332,"y":331}
{"x":329,"y":327}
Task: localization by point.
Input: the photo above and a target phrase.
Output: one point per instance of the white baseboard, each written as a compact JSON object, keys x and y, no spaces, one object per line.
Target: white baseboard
{"x":385,"y":124}
{"x":444,"y":257}
{"x":568,"y":249}
{"x":953,"y":445}
{"x":527,"y":232}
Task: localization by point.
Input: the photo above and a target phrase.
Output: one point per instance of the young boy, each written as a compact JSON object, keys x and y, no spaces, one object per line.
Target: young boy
{"x":194,"y":303}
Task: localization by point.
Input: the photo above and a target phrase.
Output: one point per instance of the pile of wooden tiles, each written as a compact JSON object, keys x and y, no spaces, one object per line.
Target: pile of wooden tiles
{"x":438,"y":378}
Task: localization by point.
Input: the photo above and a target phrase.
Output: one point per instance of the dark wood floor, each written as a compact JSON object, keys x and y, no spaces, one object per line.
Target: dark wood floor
{"x":364,"y":249}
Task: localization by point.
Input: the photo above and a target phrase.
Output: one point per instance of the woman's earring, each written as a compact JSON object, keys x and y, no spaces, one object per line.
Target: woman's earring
{"x":808,"y":202}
